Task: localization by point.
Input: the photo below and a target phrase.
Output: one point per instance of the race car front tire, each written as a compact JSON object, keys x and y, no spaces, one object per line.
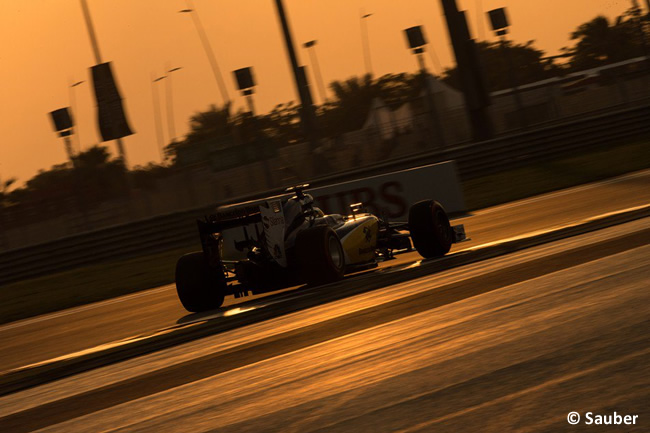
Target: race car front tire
{"x":430,"y":229}
{"x":320,"y":255}
{"x":199,"y":288}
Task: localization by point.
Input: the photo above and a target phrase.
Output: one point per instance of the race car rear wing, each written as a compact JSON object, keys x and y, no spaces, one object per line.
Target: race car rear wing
{"x":235,"y":215}
{"x":218,"y":223}
{"x":210,"y":234}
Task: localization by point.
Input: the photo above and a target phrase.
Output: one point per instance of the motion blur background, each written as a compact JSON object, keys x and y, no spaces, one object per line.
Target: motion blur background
{"x":564,"y":60}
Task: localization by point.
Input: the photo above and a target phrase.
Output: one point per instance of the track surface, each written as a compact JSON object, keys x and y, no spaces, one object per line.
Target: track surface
{"x":512,"y":343}
{"x":45,"y":337}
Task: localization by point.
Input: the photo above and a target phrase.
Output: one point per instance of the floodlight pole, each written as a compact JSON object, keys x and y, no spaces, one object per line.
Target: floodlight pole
{"x":307,"y":111}
{"x":475,"y":94}
{"x":208,"y":52}
{"x":63,"y":126}
{"x":251,"y":104}
{"x":73,"y":110}
{"x":91,"y":32}
{"x":247,"y":93}
{"x":170,"y":105}
{"x":98,"y":59}
{"x":431,"y":102}
{"x":68,"y":148}
{"x":310,"y":46}
{"x":365,"y":40}
{"x":157,"y":117}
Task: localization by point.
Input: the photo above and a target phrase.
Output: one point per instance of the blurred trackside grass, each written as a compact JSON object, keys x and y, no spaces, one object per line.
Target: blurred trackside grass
{"x":601,"y":163}
{"x":80,"y":286}
{"x":88,"y":284}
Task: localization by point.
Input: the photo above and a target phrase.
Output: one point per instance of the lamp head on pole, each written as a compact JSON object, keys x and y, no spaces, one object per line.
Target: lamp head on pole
{"x":415,"y":38}
{"x":245,"y":80}
{"x":62,"y":121}
{"x":499,"y":21}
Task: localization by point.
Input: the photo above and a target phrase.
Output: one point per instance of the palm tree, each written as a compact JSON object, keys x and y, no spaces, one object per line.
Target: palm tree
{"x":4,"y":189}
{"x":355,"y":90}
{"x":93,"y":158}
{"x":209,"y":130}
{"x":214,"y":123}
{"x":4,"y":192}
{"x":527,"y":60}
{"x":351,"y":105}
{"x":600,"y":43}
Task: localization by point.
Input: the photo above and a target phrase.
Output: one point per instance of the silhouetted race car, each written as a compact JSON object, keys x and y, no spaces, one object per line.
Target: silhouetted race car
{"x":285,"y":241}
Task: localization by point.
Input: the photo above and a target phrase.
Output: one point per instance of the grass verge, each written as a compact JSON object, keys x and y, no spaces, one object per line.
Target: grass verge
{"x":556,"y":174}
{"x":88,"y":284}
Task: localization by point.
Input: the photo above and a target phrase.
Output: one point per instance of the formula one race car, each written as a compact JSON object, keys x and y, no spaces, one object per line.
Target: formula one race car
{"x":285,"y":240}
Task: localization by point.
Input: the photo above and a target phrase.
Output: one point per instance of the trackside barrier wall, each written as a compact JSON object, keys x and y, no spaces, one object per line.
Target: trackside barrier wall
{"x":178,"y":230}
{"x":390,"y":195}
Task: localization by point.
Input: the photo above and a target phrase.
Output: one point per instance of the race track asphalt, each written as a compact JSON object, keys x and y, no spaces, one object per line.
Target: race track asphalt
{"x":513,"y":343}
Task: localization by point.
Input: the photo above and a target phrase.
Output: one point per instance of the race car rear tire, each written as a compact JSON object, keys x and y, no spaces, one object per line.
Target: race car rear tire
{"x":199,"y":288}
{"x":320,"y":255}
{"x":430,"y":229}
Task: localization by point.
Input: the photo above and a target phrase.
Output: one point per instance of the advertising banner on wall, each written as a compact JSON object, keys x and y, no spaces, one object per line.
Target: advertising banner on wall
{"x":390,"y":195}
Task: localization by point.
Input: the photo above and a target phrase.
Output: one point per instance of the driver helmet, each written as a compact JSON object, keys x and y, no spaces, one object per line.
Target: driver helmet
{"x":307,"y":200}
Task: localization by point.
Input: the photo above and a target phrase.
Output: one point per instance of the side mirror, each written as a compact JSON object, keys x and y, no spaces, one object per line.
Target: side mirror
{"x":298,"y":189}
{"x":356,"y":208}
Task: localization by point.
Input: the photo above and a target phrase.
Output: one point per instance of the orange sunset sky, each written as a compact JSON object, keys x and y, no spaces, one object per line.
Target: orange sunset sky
{"x":45,"y":48}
